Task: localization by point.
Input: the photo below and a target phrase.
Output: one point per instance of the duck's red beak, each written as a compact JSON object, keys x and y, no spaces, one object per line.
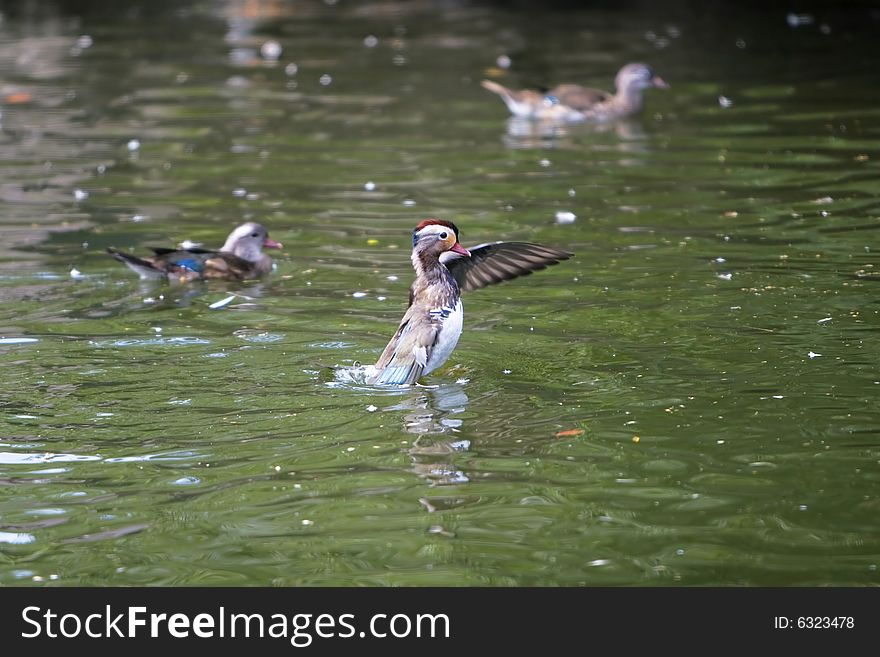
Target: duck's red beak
{"x":659,"y":82}
{"x":459,"y":249}
{"x":269,"y":243}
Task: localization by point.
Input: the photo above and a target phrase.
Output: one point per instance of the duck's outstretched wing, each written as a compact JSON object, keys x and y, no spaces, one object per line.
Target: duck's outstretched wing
{"x":500,"y":261}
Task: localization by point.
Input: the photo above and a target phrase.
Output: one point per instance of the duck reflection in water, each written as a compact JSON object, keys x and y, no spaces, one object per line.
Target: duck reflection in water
{"x":523,"y":133}
{"x":429,"y":413}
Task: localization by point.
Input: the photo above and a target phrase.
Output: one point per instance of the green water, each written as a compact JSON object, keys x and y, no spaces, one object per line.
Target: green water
{"x":692,"y":399}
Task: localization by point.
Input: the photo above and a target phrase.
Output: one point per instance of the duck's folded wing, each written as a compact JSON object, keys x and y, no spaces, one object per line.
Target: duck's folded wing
{"x":228,"y":266}
{"x":577,"y":97}
{"x":163,"y":251}
{"x":406,"y":356}
{"x":500,"y":261}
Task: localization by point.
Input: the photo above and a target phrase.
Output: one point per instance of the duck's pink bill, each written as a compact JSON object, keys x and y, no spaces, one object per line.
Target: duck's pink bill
{"x":660,"y":83}
{"x":458,"y":248}
{"x":271,"y":244}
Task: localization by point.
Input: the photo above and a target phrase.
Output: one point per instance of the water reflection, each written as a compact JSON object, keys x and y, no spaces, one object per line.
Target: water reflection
{"x":522,"y":133}
{"x":428,"y":413}
{"x":158,"y":295}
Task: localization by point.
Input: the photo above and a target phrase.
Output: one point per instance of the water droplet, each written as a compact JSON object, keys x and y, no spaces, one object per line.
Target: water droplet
{"x":133,"y":144}
{"x":271,"y":50}
{"x":325,"y":79}
{"x":503,"y":61}
{"x":80,"y":194}
{"x":369,"y":186}
{"x":371,"y":41}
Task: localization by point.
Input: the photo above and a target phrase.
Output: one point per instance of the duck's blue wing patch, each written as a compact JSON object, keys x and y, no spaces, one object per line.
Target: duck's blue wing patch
{"x":193,"y":264}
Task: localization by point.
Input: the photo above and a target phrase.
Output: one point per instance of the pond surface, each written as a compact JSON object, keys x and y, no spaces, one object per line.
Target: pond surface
{"x":692,"y":399}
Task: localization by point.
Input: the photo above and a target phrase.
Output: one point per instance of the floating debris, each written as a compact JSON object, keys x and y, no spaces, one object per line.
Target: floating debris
{"x":565,"y":217}
{"x":372,"y":409}
{"x":371,"y":41}
{"x":369,"y":186}
{"x":133,"y":144}
{"x":325,"y":80}
{"x":725,"y":102}
{"x":813,"y":354}
{"x":76,"y":274}
{"x":503,"y":61}
{"x":569,"y":433}
{"x":359,"y":295}
{"x":824,"y":319}
{"x":80,"y":194}
{"x":222,"y":302}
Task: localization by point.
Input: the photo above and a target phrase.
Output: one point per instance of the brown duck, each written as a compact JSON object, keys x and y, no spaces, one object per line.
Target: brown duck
{"x":432,"y":324}
{"x":240,"y":258}
{"x":572,"y":102}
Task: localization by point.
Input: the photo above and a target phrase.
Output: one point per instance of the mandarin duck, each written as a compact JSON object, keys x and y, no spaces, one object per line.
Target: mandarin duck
{"x":572,"y":102}
{"x":240,"y":258}
{"x":432,"y":324}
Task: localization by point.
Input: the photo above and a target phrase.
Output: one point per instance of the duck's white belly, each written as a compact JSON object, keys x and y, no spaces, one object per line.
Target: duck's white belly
{"x":450,"y":331}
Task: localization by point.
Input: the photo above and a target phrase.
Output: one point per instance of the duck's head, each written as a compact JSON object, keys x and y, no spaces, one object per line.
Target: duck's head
{"x":435,"y":237}
{"x":636,"y":77}
{"x":248,"y":240}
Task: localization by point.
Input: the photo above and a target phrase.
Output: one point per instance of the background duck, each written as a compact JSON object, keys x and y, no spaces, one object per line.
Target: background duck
{"x":572,"y":102}
{"x":240,"y":258}
{"x":433,"y":322}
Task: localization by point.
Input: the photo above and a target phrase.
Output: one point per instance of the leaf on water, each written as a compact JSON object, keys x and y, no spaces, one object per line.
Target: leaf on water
{"x":565,"y":433}
{"x":17,"y":98}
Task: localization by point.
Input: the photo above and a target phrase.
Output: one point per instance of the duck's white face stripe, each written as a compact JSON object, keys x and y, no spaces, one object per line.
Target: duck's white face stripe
{"x":433,"y":229}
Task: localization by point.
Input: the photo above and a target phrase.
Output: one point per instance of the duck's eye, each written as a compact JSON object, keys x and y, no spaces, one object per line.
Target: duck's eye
{"x":443,"y":236}
{"x":255,"y":234}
